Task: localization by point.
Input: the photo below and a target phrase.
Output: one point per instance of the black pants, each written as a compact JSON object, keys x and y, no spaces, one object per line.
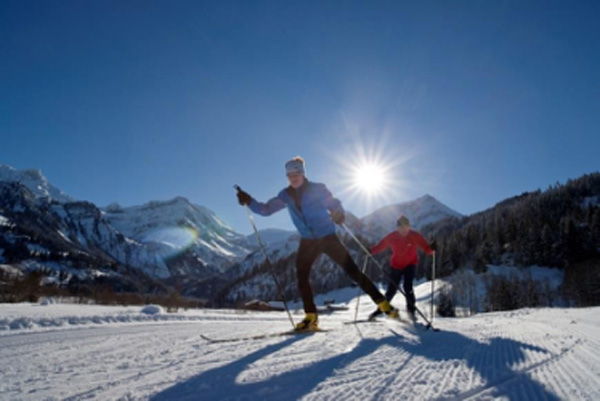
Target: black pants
{"x":395,"y":276}
{"x":408,"y":273}
{"x":309,"y":251}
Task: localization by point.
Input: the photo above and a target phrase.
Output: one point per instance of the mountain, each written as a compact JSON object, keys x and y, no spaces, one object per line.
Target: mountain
{"x":558,"y":227}
{"x":35,"y":181}
{"x":181,"y":233}
{"x":176,"y":242}
{"x":421,"y":212}
{"x":68,"y":239}
{"x":173,"y":241}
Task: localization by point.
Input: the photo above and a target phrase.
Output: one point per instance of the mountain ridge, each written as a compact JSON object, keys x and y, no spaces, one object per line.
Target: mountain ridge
{"x":175,"y":241}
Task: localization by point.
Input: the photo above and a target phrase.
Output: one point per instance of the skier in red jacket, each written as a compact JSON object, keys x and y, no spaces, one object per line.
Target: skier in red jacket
{"x":403,"y":264}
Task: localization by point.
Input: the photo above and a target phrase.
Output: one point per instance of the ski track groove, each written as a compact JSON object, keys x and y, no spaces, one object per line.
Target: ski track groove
{"x":422,"y":388}
{"x":398,"y":373}
{"x":102,"y":353}
{"x":486,"y":359}
{"x":353,"y":373}
{"x":500,"y":381}
{"x":572,"y":373}
{"x":368,"y":373}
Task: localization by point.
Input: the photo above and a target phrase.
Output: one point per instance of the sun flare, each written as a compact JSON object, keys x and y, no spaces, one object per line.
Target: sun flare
{"x":370,"y":178}
{"x":371,"y":174}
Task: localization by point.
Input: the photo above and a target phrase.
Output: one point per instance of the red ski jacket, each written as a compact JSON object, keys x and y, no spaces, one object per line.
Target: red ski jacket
{"x":404,"y":248}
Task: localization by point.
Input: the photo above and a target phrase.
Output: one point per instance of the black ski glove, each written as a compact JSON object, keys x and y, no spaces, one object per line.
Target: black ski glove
{"x":243,"y":197}
{"x":338,"y":217}
{"x":433,"y":245}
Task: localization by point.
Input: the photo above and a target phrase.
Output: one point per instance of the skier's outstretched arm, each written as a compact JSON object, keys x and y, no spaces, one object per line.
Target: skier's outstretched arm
{"x":381,"y":246}
{"x":266,"y":209}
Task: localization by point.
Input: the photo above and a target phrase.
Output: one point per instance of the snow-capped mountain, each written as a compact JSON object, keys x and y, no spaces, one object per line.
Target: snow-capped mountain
{"x":66,"y":235}
{"x":35,"y":181}
{"x":174,"y":240}
{"x":176,"y":227}
{"x":421,"y":212}
{"x":38,"y":223}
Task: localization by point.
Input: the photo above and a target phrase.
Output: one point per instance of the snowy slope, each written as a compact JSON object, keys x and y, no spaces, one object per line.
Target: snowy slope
{"x":116,"y":353}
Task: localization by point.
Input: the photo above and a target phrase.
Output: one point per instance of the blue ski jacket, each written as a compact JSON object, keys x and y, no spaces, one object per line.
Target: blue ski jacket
{"x":309,"y":207}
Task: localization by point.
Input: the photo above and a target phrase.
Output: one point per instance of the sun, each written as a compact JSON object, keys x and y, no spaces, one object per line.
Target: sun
{"x":371,"y":174}
{"x":370,"y":178}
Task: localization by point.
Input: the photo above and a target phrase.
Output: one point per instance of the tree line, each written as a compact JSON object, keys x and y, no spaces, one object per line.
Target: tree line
{"x":558,"y":227}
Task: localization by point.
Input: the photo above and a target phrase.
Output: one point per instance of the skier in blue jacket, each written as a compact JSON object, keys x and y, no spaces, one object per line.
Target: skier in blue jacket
{"x":314,"y":211}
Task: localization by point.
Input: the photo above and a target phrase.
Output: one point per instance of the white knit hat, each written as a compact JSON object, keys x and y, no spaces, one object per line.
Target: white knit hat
{"x":296,"y":165}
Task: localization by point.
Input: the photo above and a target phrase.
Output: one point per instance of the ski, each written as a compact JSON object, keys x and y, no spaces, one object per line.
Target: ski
{"x":361,"y":321}
{"x":408,"y":323}
{"x":262,"y":336}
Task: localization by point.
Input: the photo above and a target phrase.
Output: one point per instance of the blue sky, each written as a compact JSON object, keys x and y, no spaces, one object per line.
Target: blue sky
{"x":131,"y":101}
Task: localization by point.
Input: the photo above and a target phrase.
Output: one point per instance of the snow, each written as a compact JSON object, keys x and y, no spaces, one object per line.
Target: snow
{"x":174,"y":226}
{"x":10,"y":270}
{"x":538,"y":273}
{"x":467,"y":280}
{"x":4,"y":221}
{"x":64,"y":351}
{"x":35,"y":181}
{"x":152,"y":310}
{"x":590,"y":201}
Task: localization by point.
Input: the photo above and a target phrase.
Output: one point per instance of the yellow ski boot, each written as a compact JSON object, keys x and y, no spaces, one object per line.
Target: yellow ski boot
{"x":388,"y":309}
{"x":309,"y":323}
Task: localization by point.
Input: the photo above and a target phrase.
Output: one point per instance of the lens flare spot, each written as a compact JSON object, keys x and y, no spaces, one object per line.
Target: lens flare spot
{"x":173,"y":240}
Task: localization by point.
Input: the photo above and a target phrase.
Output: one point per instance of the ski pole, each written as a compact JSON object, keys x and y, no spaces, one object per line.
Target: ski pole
{"x":262,"y":246}
{"x":432,"y":284}
{"x":360,"y":289}
{"x":429,"y":325}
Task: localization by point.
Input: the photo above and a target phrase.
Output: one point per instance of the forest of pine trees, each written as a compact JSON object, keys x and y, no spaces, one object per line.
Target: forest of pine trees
{"x":559,"y":227}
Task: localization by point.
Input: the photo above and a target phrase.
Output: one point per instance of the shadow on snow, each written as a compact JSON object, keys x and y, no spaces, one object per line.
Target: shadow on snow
{"x":491,"y":361}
